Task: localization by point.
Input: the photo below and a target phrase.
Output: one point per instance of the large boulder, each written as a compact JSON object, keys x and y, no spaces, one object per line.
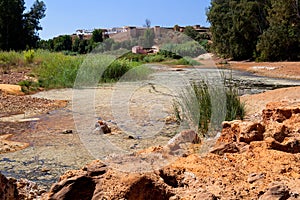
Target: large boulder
{"x":11,"y":89}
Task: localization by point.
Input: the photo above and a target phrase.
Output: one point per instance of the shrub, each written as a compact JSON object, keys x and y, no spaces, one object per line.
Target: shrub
{"x":154,"y":58}
{"x":116,"y":70}
{"x":29,"y":86}
{"x":133,"y":70}
{"x":58,"y":70}
{"x":10,"y":59}
{"x":191,"y":49}
{"x":185,"y":61}
{"x":28,"y":56}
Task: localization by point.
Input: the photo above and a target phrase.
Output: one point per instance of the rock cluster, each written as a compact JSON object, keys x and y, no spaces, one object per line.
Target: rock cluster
{"x":12,"y":189}
{"x":279,"y":129}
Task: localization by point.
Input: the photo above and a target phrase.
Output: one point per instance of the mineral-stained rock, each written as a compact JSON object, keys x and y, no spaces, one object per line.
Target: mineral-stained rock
{"x":10,"y":146}
{"x":186,"y":136}
{"x":253,"y":177}
{"x":291,"y":145}
{"x":276,"y":191}
{"x":226,"y":148}
{"x":8,"y":188}
{"x":241,"y":131}
{"x":279,"y":129}
{"x":102,"y":127}
{"x":279,"y":112}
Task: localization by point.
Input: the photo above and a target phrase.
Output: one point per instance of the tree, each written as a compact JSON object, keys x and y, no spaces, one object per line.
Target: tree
{"x":11,"y":24}
{"x":97,"y":35}
{"x":236,"y":26}
{"x":75,"y":45}
{"x":32,"y":23}
{"x":176,"y":27}
{"x":281,"y":41}
{"x":46,"y":44}
{"x":147,"y":23}
{"x":148,"y":39}
{"x":192,"y":33}
{"x":62,"y":43}
{"x":19,"y":29}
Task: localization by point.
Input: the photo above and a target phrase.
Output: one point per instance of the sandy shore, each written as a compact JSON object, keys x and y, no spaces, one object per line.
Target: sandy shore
{"x":288,"y":70}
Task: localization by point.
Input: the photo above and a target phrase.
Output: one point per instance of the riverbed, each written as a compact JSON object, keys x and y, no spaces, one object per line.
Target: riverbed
{"x":139,"y":113}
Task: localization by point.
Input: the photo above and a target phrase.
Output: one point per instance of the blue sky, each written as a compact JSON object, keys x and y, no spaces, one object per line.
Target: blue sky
{"x":66,"y":16}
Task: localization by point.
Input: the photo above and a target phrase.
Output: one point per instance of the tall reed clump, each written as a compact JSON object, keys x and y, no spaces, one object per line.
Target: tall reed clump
{"x":57,"y":70}
{"x":10,"y":60}
{"x":197,"y":103}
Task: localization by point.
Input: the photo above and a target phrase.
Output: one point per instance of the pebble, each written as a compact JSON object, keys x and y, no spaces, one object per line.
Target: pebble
{"x":67,"y":132}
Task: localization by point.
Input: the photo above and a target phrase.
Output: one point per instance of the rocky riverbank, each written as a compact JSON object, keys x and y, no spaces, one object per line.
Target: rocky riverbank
{"x":251,"y":160}
{"x":256,"y":158}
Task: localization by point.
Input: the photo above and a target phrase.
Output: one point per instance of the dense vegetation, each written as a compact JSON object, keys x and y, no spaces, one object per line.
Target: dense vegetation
{"x":57,"y":70}
{"x":19,"y":29}
{"x":255,"y":29}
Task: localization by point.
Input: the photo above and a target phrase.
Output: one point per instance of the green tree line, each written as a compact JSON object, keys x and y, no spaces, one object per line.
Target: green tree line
{"x":19,"y":29}
{"x":265,"y":30}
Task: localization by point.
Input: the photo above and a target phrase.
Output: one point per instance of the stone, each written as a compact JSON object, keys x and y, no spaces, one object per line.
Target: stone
{"x":11,"y":89}
{"x":253,"y":177}
{"x":225,"y":148}
{"x":291,"y":145}
{"x":277,"y":191}
{"x":251,"y":131}
{"x":277,"y":131}
{"x":8,"y":188}
{"x":67,"y":132}
{"x":104,"y":128}
{"x":241,"y":131}
{"x":6,"y":145}
{"x":186,"y":136}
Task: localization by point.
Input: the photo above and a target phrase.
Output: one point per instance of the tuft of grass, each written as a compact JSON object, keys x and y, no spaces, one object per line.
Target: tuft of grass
{"x":196,"y":105}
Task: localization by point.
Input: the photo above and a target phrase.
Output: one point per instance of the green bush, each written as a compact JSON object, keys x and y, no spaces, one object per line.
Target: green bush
{"x":185,"y":61}
{"x":116,"y":70}
{"x":58,"y":70}
{"x":10,"y":59}
{"x":133,"y":57}
{"x":29,"y":56}
{"x":191,"y":49}
{"x":120,"y":67}
{"x":154,"y":58}
{"x":29,"y":86}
